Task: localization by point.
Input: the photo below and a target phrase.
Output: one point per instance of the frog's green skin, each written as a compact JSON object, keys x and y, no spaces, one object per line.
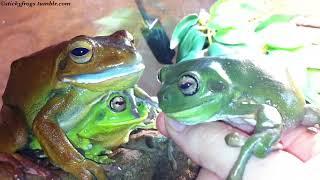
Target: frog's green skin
{"x":51,"y":91}
{"x":105,"y":127}
{"x":239,"y":92}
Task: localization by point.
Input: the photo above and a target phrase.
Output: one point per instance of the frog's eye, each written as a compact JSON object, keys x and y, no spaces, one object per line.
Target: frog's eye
{"x":81,"y":52}
{"x":159,"y":76}
{"x":118,"y":104}
{"x":188,"y":85}
{"x":161,"y":73}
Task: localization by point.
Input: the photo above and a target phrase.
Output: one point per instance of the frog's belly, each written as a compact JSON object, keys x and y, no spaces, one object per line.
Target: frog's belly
{"x":110,"y":141}
{"x":245,"y":123}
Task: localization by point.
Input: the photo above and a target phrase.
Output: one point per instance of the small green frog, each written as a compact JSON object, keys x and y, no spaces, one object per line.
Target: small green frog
{"x":245,"y":94}
{"x":107,"y":125}
{"x":51,"y":91}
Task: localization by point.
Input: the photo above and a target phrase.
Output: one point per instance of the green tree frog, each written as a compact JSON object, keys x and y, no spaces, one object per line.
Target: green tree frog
{"x":245,"y":94}
{"x":107,"y":125}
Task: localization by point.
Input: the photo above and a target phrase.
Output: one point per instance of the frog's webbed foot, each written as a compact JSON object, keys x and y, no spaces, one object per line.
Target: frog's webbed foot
{"x":102,"y":159}
{"x":22,"y":165}
{"x":98,"y":154}
{"x":263,"y":141}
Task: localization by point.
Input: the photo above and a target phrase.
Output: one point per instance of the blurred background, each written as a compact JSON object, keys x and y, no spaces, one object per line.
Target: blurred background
{"x":26,"y":29}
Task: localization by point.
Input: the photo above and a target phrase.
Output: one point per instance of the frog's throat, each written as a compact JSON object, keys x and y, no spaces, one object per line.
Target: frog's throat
{"x":189,"y":116}
{"x":114,"y":72}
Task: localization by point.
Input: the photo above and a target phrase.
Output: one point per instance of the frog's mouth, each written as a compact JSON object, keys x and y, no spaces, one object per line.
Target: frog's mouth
{"x":191,"y":115}
{"x":108,"y":74}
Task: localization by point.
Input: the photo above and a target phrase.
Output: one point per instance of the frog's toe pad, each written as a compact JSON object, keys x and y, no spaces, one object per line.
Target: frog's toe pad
{"x":105,"y":160}
{"x":235,"y":139}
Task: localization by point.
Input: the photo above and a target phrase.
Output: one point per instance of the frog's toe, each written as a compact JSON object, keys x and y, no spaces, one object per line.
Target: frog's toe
{"x":95,"y":169}
{"x":105,"y":160}
{"x":261,"y":151}
{"x":86,"y":169}
{"x":235,"y":139}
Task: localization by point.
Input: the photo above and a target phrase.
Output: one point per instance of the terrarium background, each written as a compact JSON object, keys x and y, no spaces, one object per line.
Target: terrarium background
{"x":26,"y":30}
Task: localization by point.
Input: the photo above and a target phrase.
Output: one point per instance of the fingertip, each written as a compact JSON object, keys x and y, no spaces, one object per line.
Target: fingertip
{"x":160,"y":123}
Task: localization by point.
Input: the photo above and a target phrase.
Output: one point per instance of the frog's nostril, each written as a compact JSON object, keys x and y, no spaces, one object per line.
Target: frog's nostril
{"x":165,"y":97}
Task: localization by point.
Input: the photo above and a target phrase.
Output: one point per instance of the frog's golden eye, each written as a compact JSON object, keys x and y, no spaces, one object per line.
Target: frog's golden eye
{"x":188,"y":84}
{"x":118,"y":104}
{"x":80,"y":51}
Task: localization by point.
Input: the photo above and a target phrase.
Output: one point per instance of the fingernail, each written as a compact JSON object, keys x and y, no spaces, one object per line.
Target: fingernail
{"x":175,"y":125}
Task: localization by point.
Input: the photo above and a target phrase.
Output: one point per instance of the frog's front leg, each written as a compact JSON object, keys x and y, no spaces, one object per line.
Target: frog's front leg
{"x":132,"y":98}
{"x":140,"y":93}
{"x":55,"y":143}
{"x":153,"y":104}
{"x":266,"y":134}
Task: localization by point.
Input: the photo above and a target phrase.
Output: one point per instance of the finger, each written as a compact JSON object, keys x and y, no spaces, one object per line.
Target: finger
{"x":205,"y":145}
{"x":161,"y":124}
{"x":302,"y":143}
{"x":205,"y":174}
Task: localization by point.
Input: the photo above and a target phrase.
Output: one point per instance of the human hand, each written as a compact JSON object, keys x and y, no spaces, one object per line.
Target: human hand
{"x":205,"y":145}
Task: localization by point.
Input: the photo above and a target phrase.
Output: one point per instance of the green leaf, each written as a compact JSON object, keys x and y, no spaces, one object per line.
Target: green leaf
{"x":282,"y":36}
{"x":194,"y":41}
{"x":124,"y":18}
{"x":271,"y":47}
{"x":191,"y":55}
{"x":248,"y":7}
{"x":182,"y":28}
{"x":277,"y":18}
{"x":237,"y":13}
{"x":215,"y":6}
{"x":218,"y":49}
{"x":232,"y":36}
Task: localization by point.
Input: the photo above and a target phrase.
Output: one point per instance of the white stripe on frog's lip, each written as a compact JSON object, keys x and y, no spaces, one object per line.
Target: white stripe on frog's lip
{"x":117,"y":71}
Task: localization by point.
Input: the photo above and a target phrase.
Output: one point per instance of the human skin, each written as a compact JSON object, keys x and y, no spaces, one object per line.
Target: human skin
{"x":205,"y":145}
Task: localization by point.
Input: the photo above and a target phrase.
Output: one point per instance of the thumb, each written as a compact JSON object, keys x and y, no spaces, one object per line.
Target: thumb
{"x":200,"y":143}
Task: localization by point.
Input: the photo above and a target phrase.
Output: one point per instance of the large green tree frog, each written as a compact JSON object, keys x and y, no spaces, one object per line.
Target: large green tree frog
{"x":51,"y":91}
{"x":107,"y":125}
{"x":245,"y":94}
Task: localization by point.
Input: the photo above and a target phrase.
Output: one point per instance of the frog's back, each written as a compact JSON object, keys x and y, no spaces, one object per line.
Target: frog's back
{"x":265,"y":82}
{"x":31,"y":80}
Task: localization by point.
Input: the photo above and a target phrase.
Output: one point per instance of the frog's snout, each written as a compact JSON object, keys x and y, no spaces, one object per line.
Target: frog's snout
{"x":163,"y":97}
